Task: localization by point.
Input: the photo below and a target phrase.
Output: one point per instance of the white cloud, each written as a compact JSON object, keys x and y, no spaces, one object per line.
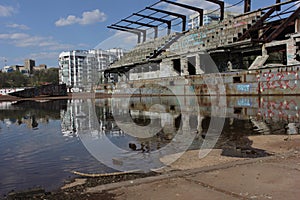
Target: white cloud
{"x":26,"y":40}
{"x":44,"y":55}
{"x":89,"y":17}
{"x":14,"y":36}
{"x":18,"y":26}
{"x":6,"y":11}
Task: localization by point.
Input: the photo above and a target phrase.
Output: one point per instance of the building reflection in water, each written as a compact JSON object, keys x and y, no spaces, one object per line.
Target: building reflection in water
{"x":96,"y":120}
{"x":30,"y":113}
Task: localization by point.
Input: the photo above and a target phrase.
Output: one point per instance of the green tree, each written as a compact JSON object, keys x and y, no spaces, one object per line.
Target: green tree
{"x":17,"y":79}
{"x":45,"y":76}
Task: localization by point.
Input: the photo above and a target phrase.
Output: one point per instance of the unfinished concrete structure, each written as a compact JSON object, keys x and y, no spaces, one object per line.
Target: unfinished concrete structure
{"x":255,"y":40}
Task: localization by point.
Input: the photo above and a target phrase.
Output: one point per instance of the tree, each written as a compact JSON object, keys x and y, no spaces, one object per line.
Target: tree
{"x":17,"y":79}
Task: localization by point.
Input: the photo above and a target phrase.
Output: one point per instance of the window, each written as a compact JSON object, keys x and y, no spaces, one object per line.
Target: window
{"x":177,"y":65}
{"x":237,"y":79}
{"x":192,"y":65}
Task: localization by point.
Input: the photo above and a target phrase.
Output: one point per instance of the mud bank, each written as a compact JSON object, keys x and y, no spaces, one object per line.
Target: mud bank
{"x":75,"y":188}
{"x":79,"y":188}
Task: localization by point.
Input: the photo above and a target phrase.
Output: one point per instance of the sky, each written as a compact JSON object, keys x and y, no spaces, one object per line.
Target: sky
{"x":41,"y":30}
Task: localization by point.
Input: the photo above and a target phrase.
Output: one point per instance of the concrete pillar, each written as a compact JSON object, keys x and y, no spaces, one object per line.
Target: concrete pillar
{"x":297,"y":26}
{"x":264,"y":51}
{"x":186,"y":122}
{"x":291,"y":51}
{"x":199,"y":126}
{"x":184,"y":65}
{"x":168,"y":124}
{"x":198,"y":63}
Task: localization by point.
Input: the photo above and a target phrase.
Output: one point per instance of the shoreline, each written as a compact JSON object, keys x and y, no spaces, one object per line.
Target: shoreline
{"x":86,"y":95}
{"x":106,"y":187}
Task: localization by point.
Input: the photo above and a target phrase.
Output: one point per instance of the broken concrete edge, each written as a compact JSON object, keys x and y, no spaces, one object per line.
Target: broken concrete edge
{"x":181,"y":174}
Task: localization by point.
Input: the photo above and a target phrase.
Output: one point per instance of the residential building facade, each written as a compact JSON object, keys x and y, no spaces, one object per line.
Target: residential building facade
{"x":80,"y":70}
{"x":209,"y":17}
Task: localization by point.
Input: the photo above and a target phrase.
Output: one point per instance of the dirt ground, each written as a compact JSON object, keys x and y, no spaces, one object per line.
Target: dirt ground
{"x":272,"y":144}
{"x":191,"y":160}
{"x":276,"y":143}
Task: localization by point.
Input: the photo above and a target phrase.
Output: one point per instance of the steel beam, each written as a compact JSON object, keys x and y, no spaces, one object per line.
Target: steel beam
{"x":278,"y":8}
{"x":168,"y":22}
{"x":144,"y":24}
{"x":132,"y":29}
{"x":199,"y":10}
{"x":247,"y":6}
{"x":283,"y":26}
{"x":257,"y":24}
{"x":222,"y":9}
{"x":138,"y":33}
{"x":183,"y":17}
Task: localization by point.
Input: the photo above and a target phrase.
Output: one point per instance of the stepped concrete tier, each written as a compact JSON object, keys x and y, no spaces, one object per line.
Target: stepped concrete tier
{"x":252,"y":54}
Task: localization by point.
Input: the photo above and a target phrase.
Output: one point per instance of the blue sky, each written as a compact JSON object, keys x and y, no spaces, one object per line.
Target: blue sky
{"x":41,"y":29}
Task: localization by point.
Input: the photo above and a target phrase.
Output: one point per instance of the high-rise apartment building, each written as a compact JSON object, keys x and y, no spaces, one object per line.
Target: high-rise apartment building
{"x":209,"y":17}
{"x":83,"y":69}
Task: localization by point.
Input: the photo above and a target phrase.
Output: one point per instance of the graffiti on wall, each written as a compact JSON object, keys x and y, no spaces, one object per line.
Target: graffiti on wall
{"x":189,"y":41}
{"x":285,"y":110}
{"x":280,"y":80}
{"x":243,"y":88}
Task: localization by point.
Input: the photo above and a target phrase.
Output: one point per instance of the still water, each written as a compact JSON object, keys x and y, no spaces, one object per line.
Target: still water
{"x":41,"y":143}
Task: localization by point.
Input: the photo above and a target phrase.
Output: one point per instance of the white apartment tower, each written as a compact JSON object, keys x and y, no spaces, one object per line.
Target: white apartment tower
{"x":80,"y":70}
{"x":209,"y":17}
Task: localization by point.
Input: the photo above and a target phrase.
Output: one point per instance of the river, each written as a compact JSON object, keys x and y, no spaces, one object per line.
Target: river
{"x":42,"y":142}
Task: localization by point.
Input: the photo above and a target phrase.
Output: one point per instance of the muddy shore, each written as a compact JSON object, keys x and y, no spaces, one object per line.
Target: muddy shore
{"x":78,"y":187}
{"x":75,"y":188}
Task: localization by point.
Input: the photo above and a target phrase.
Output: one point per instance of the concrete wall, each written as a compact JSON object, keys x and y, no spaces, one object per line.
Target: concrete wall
{"x":273,"y":81}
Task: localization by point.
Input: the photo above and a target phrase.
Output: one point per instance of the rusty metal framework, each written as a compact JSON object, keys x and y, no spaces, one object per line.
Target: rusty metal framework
{"x":138,"y":33}
{"x":168,"y":22}
{"x":130,"y":23}
{"x":199,"y":10}
{"x":272,"y":23}
{"x":153,"y":17}
{"x":177,"y":15}
{"x":265,"y":30}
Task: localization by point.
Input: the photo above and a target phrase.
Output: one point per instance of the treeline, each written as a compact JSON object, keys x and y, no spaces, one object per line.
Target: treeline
{"x":17,"y":79}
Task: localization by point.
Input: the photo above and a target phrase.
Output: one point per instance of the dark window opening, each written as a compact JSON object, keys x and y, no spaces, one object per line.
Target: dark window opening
{"x":177,"y":65}
{"x":178,"y":122}
{"x":172,"y":107}
{"x":192,"y":65}
{"x":237,"y":79}
{"x":237,"y":110}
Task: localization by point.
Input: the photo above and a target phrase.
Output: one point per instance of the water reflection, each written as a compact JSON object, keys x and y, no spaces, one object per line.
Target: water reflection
{"x":31,"y":113}
{"x":33,"y":151}
{"x":95,"y":123}
{"x":40,"y":142}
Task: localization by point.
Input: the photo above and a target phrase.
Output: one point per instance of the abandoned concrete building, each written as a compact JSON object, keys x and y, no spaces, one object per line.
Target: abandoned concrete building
{"x":253,"y":40}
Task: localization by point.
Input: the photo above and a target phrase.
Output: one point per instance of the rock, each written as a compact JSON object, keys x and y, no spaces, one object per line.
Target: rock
{"x":78,"y":181}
